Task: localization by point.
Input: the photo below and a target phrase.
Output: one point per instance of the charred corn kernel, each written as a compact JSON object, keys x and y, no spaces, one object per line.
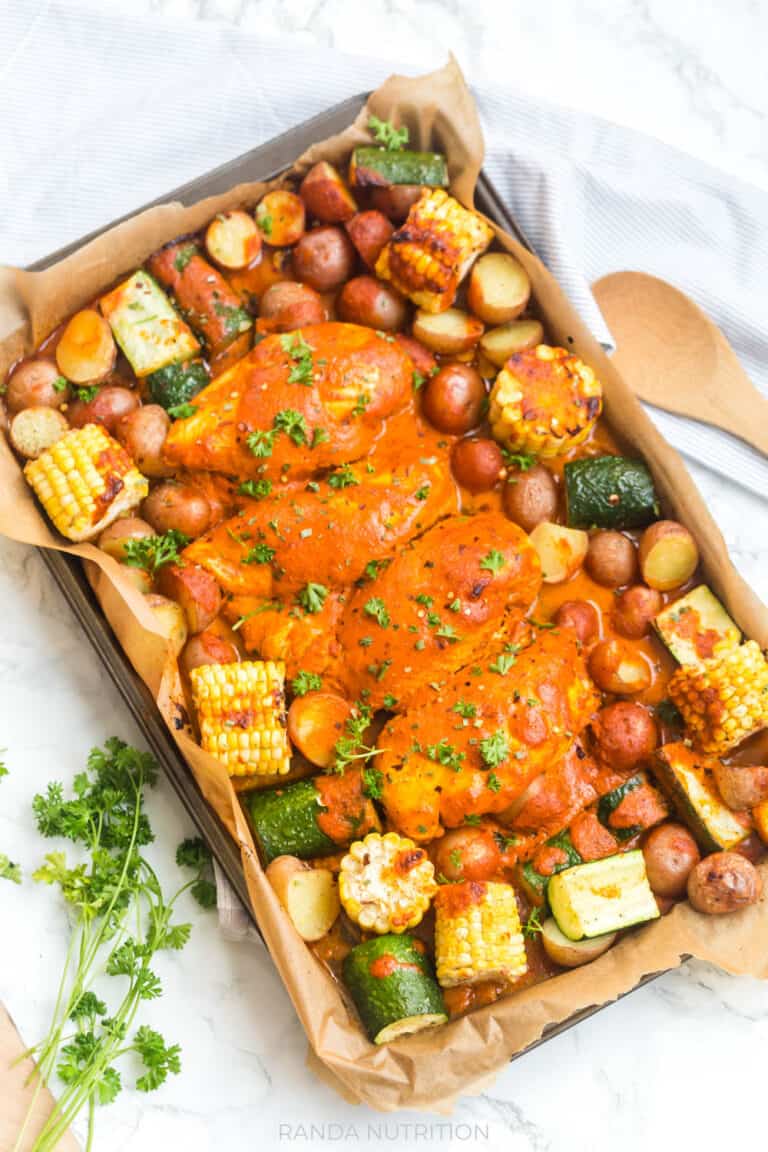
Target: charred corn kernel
{"x":386,"y":883}
{"x":85,"y":481}
{"x":427,"y":257}
{"x":544,"y":401}
{"x":241,"y":713}
{"x":477,"y":933}
{"x":725,"y":699}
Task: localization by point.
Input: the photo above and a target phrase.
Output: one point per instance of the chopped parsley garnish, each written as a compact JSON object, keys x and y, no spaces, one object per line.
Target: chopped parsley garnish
{"x":427,"y":601}
{"x":292,"y":423}
{"x":87,"y":394}
{"x":378,"y":610}
{"x":473,"y":819}
{"x":493,"y":562}
{"x":265,"y":223}
{"x":493,"y":782}
{"x":422,"y":493}
{"x":373,"y":782}
{"x":385,"y":133}
{"x":256,"y":488}
{"x":304,"y":682}
{"x":378,"y":671}
{"x":523,"y":461}
{"x":444,"y":753}
{"x":350,"y":746}
{"x":152,"y":552}
{"x":419,"y":380}
{"x":183,"y":257}
{"x":261,"y":443}
{"x":312,"y":597}
{"x":343,"y":478}
{"x":301,"y":353}
{"x":235,"y":319}
{"x":60,"y":384}
{"x":533,"y":923}
{"x":182,"y":411}
{"x":454,"y":606}
{"x":447,"y":631}
{"x":362,"y":403}
{"x":463,"y":708}
{"x":259,"y":554}
{"x":502,"y":664}
{"x":372,"y":568}
{"x":494,"y":749}
{"x":390,"y":701}
{"x":319,"y":436}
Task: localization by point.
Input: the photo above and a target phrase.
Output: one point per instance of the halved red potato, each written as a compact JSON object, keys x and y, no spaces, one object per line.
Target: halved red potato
{"x":194,"y":590}
{"x":450,"y":332}
{"x":35,"y":430}
{"x":315,"y":724}
{"x":114,"y":538}
{"x":309,"y":895}
{"x":618,"y":668}
{"x":208,"y":647}
{"x":572,"y":953}
{"x":499,"y":288}
{"x":232,"y":239}
{"x":286,"y":306}
{"x":369,"y":232}
{"x":171,"y":618}
{"x":669,"y":555}
{"x":281,"y":218}
{"x":561,"y":550}
{"x":326,"y":195}
{"x":498,"y":344}
{"x":86,"y":352}
{"x":36,"y":384}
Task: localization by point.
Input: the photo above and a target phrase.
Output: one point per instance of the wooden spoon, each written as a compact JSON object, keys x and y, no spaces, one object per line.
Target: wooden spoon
{"x":672,"y":355}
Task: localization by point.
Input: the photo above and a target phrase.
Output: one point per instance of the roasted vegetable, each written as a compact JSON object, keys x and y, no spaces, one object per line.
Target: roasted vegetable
{"x":146,"y":326}
{"x":86,"y":351}
{"x":391,"y":982}
{"x":241,"y":713}
{"x":603,"y":896}
{"x":544,"y":401}
{"x":668,"y":555}
{"x":232,"y":239}
{"x":386,"y":883}
{"x":572,"y":953}
{"x":498,"y":344}
{"x":724,"y":882}
{"x":697,"y":627}
{"x":609,"y":492}
{"x":35,"y":430}
{"x":499,"y":288}
{"x":174,"y":386}
{"x":561,"y":550}
{"x":310,"y":896}
{"x":631,"y":807}
{"x":427,"y":258}
{"x":559,"y":853}
{"x":372,"y":167}
{"x":477,"y":933}
{"x":688,"y":778}
{"x":211,"y":306}
{"x":724,"y":699}
{"x":85,"y":481}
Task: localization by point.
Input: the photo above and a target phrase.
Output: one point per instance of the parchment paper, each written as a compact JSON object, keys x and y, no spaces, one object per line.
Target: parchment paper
{"x":429,"y":1070}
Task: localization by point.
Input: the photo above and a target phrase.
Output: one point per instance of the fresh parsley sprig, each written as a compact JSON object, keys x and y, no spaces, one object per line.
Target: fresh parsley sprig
{"x":152,"y":552}
{"x":385,"y":133}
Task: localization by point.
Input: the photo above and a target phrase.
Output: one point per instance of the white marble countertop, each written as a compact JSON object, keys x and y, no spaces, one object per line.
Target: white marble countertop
{"x":640,"y":1072}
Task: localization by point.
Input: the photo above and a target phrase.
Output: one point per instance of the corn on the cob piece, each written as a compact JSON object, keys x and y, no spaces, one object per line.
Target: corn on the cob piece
{"x":427,"y":257}
{"x":477,"y":933}
{"x":386,"y":883}
{"x":725,"y":699}
{"x":544,"y":401}
{"x":241,"y":713}
{"x":85,"y":481}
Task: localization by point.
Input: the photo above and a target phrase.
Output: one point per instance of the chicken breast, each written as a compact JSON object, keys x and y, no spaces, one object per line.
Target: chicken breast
{"x":436,"y":607}
{"x":306,"y":641}
{"x":298,"y":403}
{"x":472,"y":747}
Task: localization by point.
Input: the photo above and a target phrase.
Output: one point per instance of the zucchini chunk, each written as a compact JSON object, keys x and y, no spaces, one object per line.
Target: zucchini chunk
{"x":146,"y":325}
{"x":688,"y":779}
{"x":393,"y":988}
{"x":603,"y":896}
{"x":696,"y":627}
{"x":177,"y":384}
{"x":609,"y":492}
{"x":378,"y":167}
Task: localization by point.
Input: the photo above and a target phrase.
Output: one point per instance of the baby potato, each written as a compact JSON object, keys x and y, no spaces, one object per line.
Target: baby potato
{"x":572,"y":953}
{"x":740,"y":785}
{"x":615,"y":667}
{"x":286,"y":306}
{"x":36,"y":384}
{"x":450,"y":332}
{"x":369,"y":232}
{"x":108,"y":407}
{"x":195,"y":590}
{"x":366,"y":300}
{"x":561,"y":550}
{"x":177,"y":506}
{"x":453,"y":399}
{"x":476,"y":463}
{"x":139,"y":577}
{"x":580,"y":615}
{"x":611,"y":559}
{"x":530,"y":498}
{"x":114,"y":538}
{"x":499,"y":288}
{"x":326,"y":196}
{"x":635,"y":609}
{"x":309,"y":895}
{"x":170,"y":618}
{"x":498,"y":344}
{"x":724,"y":882}
{"x":316,"y":723}
{"x":670,"y":854}
{"x":86,"y":351}
{"x":669,"y":555}
{"x":324,"y":258}
{"x":233,"y":240}
{"x":142,"y":433}
{"x":35,"y":430}
{"x":625,"y":734}
{"x":396,"y":200}
{"x":281,"y":218}
{"x":207,"y":647}
{"x":468,"y":854}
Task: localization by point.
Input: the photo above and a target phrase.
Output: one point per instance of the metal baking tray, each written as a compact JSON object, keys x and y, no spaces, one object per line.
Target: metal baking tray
{"x":263,"y":163}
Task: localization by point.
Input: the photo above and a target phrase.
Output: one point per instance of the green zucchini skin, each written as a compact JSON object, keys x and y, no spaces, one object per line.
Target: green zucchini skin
{"x":176,"y":384}
{"x":610,"y":801}
{"x":592,"y":485}
{"x":285,"y":822}
{"x":377,"y":168}
{"x":690,"y":786}
{"x":407,"y":990}
{"x":602,"y":896}
{"x":535,"y":882}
